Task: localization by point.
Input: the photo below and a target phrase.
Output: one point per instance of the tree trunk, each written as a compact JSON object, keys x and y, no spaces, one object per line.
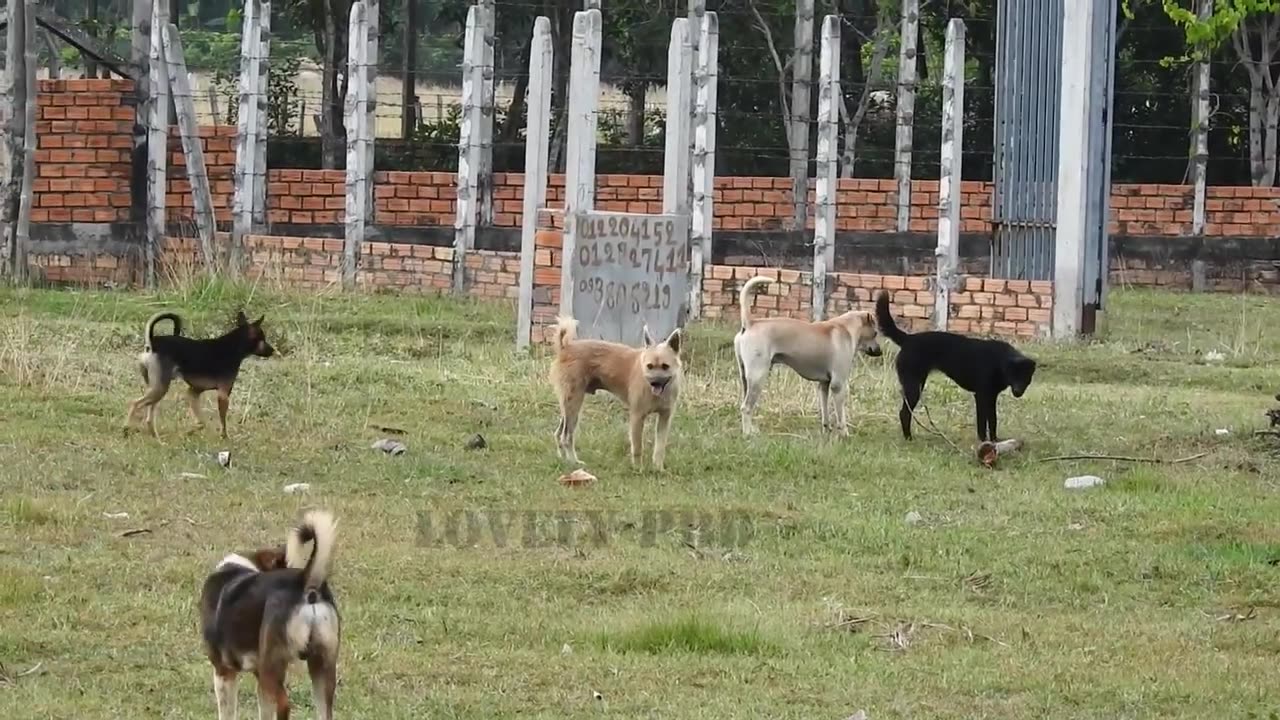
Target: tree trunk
{"x":1258,"y":171}
{"x":511,"y":125}
{"x":1272,"y":119}
{"x":1263,"y":110}
{"x":409,"y":76}
{"x":563,"y":38}
{"x":330,"y":109}
{"x":879,"y":50}
{"x":91,"y":65}
{"x":635,"y":112}
{"x":922,"y":52}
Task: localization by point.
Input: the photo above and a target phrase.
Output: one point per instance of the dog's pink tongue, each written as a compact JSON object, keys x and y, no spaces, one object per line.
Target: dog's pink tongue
{"x":657,"y":389}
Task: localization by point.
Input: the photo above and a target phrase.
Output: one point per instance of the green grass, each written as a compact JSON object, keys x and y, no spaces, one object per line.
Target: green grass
{"x":1013,"y":598}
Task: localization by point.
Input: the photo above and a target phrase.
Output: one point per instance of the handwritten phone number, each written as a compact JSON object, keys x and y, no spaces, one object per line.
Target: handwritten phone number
{"x":639,"y":229}
{"x":641,"y":295}
{"x":659,"y":260}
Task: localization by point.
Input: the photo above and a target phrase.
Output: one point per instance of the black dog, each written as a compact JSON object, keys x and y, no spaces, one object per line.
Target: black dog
{"x":983,"y":367}
{"x":211,"y":364}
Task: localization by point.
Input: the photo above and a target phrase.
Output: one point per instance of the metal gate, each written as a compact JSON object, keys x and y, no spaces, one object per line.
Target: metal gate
{"x":1029,"y":59}
{"x":1028,"y":87}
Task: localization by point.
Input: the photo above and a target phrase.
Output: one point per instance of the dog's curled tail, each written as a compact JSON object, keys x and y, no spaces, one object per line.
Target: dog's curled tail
{"x":566,"y":329}
{"x":743,"y":306}
{"x":318,"y":527}
{"x":884,"y":319}
{"x":150,"y":333}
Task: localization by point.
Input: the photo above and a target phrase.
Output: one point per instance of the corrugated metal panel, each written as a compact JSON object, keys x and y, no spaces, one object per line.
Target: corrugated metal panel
{"x":1028,"y":87}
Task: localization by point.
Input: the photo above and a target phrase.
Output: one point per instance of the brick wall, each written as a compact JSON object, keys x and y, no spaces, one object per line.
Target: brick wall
{"x":315,"y":264}
{"x":85,"y":137}
{"x":98,"y":270}
{"x":984,"y":306}
{"x":217,"y":142}
{"x":997,"y":307}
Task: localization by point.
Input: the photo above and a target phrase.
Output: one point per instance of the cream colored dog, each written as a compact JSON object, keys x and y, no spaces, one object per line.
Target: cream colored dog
{"x":822,"y":352}
{"x":646,"y":380}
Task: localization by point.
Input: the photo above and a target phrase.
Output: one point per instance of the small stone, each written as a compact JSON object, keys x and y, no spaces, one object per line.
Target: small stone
{"x":566,"y":650}
{"x":1083,"y":482}
{"x":115,"y":515}
{"x":296,"y":488}
{"x":1221,"y":432}
{"x":914,"y":518}
{"x":390,"y":447}
{"x":476,"y":442}
{"x":224,"y":459}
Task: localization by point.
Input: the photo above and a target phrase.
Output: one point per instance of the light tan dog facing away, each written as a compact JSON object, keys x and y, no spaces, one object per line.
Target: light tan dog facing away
{"x":646,"y":380}
{"x":822,"y":352}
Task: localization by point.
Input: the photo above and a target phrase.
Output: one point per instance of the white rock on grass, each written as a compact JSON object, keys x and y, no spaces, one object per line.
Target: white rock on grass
{"x":389,"y":446}
{"x":1083,"y":482}
{"x":296,"y":488}
{"x":914,"y":518}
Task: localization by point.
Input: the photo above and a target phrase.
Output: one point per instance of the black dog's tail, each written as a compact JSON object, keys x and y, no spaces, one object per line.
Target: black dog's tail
{"x":150,"y":333}
{"x":884,"y":319}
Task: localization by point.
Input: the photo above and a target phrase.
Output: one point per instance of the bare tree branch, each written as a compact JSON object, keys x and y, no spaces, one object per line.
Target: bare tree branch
{"x":878,"y":53}
{"x":760,"y":24}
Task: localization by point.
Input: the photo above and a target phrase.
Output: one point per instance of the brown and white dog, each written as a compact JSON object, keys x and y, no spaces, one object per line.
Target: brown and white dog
{"x":646,"y":380}
{"x":261,"y":611}
{"x":822,"y":352}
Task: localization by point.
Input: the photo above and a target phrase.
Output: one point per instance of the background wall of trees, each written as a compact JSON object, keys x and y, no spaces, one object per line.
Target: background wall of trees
{"x":1158,"y":42}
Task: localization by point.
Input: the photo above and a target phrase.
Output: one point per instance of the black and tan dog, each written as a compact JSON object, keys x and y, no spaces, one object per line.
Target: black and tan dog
{"x":210,"y":364}
{"x":983,"y":367}
{"x":261,"y":611}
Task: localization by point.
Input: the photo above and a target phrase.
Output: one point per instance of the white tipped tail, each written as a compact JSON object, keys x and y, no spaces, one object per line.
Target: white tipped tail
{"x":566,"y":331}
{"x":744,"y":306}
{"x":318,"y":527}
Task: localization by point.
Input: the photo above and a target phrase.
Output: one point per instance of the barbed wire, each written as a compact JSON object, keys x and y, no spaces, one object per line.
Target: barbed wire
{"x":1152,"y":103}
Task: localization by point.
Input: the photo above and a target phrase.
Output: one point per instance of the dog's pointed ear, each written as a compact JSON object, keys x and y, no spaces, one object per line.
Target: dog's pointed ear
{"x":240,"y":318}
{"x":675,"y":340}
{"x":646,"y":336}
{"x":258,"y":322}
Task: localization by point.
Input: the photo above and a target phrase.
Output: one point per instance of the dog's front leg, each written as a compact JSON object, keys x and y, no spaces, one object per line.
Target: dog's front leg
{"x":985,"y":407}
{"x":637,"y":435}
{"x":660,"y":439}
{"x":224,"y":401}
{"x":224,"y":693}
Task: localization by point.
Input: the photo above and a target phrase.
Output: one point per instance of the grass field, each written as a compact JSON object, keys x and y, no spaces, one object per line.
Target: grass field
{"x":1011,"y":598}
